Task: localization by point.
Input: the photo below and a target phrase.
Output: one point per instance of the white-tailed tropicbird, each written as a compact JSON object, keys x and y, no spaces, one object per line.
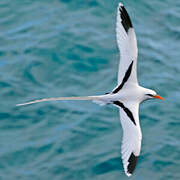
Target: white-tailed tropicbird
{"x":127,"y":95}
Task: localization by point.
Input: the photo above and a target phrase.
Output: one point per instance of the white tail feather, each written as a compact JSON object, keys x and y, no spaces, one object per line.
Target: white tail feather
{"x":100,"y":102}
{"x":94,"y":98}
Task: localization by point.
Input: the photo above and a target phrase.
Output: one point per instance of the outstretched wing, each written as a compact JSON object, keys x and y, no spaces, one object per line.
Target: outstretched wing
{"x":126,"y":40}
{"x":131,"y":142}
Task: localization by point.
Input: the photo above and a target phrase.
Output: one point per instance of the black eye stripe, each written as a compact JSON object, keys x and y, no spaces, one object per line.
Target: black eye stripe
{"x":149,"y":95}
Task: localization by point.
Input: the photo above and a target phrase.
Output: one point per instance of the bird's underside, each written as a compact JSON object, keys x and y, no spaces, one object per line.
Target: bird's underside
{"x":126,"y":96}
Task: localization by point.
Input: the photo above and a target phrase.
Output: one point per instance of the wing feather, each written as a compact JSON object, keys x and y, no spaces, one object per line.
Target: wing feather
{"x":126,"y":40}
{"x":131,"y":141}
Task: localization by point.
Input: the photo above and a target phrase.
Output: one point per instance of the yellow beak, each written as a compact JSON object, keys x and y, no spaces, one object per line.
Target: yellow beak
{"x":158,"y":97}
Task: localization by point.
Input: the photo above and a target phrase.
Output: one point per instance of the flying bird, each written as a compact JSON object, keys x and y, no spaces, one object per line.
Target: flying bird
{"x":127,"y":95}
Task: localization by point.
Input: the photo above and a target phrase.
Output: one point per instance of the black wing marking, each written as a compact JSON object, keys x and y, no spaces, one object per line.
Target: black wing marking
{"x":126,"y":77}
{"x":132,"y":163}
{"x":126,"y":21}
{"x":127,"y":111}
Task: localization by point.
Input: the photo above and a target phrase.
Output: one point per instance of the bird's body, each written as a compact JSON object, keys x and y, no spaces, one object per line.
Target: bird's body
{"x":127,"y":95}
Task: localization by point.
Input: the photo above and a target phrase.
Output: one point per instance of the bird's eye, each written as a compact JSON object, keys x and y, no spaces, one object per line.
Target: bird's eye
{"x":149,"y":95}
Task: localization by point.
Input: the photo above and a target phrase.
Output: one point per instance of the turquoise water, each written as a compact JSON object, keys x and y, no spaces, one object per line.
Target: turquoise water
{"x":51,"y":48}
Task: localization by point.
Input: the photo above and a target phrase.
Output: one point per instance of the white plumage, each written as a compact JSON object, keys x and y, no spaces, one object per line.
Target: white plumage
{"x":128,"y":48}
{"x":127,"y":95}
{"x":127,"y":44}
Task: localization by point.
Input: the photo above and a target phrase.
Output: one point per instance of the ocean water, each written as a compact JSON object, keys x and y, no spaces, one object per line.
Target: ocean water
{"x":51,"y":48}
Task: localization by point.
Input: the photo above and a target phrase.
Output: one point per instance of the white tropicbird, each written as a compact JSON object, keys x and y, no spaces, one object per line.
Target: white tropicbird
{"x":127,"y":95}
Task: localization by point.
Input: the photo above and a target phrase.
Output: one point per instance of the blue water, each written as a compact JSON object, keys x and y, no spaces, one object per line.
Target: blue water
{"x":51,"y":48}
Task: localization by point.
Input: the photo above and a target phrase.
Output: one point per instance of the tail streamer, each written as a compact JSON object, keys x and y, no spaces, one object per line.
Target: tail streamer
{"x":94,"y":98}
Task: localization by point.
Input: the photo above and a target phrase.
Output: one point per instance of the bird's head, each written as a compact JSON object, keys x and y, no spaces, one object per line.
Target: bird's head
{"x":151,"y":94}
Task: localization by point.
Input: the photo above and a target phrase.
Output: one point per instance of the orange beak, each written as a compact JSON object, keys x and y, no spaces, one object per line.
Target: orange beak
{"x":158,"y":97}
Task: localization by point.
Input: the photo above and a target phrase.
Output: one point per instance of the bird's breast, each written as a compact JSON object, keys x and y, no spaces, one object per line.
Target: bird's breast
{"x":129,"y":94}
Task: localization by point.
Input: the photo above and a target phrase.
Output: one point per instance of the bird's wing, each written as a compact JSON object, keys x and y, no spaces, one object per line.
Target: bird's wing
{"x":131,"y":141}
{"x":127,"y":43}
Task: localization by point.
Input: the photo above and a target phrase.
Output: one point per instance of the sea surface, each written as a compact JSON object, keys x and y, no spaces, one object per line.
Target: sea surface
{"x":52,"y":48}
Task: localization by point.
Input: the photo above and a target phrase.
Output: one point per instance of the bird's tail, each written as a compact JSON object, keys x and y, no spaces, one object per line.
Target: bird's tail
{"x":96,"y":99}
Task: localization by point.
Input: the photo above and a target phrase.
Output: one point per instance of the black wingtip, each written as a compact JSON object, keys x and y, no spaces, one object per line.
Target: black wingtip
{"x":132,"y":163}
{"x":126,"y":21}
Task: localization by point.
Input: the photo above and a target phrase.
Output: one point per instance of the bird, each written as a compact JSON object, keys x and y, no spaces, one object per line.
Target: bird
{"x":127,"y":95}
